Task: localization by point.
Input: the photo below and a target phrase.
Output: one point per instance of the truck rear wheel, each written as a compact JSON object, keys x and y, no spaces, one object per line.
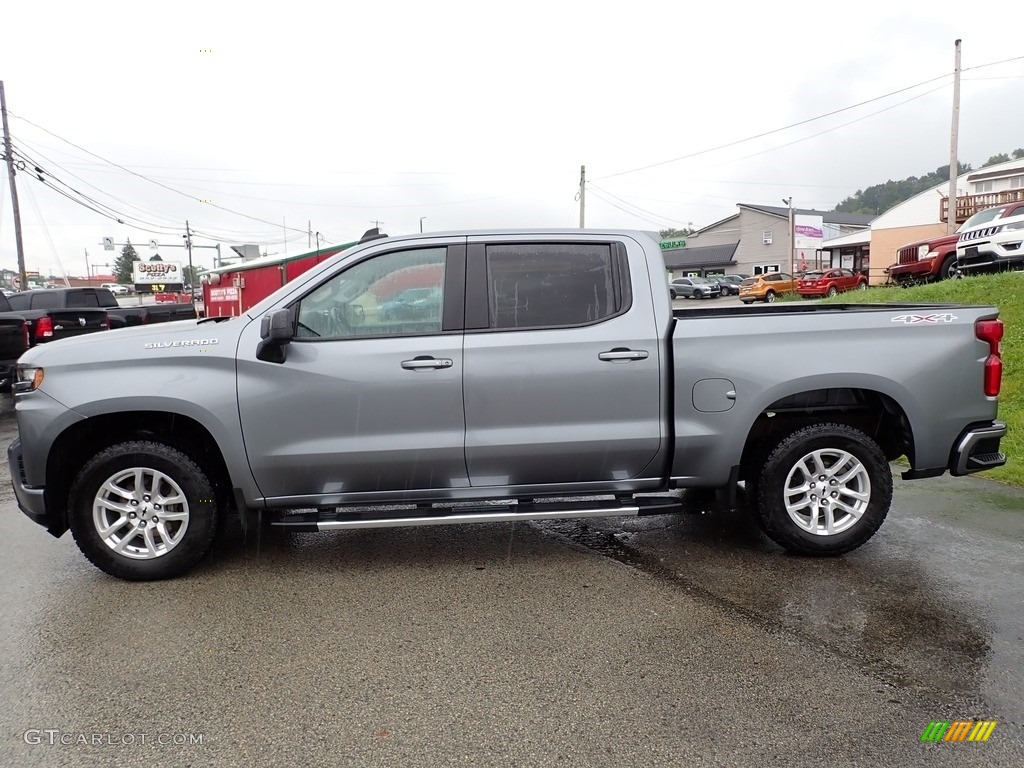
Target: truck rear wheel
{"x":142,"y":510}
{"x":823,"y":490}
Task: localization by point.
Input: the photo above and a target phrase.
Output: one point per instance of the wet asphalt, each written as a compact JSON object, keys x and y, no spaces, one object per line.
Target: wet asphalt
{"x":663,"y":641}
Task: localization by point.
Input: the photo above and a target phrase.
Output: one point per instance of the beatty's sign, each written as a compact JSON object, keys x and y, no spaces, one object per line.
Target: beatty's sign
{"x":157,"y":273}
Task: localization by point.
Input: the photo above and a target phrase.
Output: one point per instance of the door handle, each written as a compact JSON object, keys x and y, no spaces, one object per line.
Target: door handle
{"x":623,"y":354}
{"x":421,"y":363}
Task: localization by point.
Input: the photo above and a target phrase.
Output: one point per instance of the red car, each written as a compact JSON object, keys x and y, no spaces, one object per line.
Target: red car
{"x":829,"y":282}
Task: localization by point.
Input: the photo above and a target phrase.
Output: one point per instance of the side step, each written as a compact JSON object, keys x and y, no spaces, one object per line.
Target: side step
{"x":332,"y":520}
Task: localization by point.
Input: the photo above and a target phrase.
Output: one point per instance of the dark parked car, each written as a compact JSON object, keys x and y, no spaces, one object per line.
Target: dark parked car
{"x":693,"y":288}
{"x":729,"y":284}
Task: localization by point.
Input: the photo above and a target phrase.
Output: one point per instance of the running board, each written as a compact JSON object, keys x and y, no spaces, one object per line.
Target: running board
{"x":333,"y":520}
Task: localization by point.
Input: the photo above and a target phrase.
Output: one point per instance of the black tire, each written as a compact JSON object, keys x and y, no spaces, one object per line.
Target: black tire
{"x":862,"y":286}
{"x":187,"y":530}
{"x":769,"y":297}
{"x":672,"y":293}
{"x":948,"y":269}
{"x":832,"y":291}
{"x":747,"y":301}
{"x":867,"y":472}
{"x":698,"y":295}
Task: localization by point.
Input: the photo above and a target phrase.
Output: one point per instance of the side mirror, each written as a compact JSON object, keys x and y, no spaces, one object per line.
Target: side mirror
{"x":277,"y":330}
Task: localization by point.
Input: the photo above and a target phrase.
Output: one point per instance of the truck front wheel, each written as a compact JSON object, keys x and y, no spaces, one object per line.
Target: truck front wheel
{"x":824,"y":490}
{"x":142,"y":510}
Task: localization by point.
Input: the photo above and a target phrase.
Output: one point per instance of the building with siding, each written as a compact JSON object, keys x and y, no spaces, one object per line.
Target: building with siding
{"x":757,"y":238}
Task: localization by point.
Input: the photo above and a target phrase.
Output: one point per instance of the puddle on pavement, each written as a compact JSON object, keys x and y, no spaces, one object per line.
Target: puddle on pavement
{"x":878,"y":608}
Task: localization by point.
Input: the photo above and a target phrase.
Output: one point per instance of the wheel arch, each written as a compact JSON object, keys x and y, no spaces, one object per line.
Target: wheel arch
{"x":877,"y":414}
{"x":86,"y":438}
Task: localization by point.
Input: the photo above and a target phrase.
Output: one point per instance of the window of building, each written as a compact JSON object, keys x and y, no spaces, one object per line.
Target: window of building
{"x":764,"y":269}
{"x":545,"y":285}
{"x":984,"y":186}
{"x":1017,"y":182}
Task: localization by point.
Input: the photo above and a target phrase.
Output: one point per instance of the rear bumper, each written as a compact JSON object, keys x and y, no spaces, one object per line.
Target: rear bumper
{"x":977,"y":449}
{"x":7,"y":371}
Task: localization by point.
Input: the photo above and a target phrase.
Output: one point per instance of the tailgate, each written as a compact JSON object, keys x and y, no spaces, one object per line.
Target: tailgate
{"x":75,"y":322}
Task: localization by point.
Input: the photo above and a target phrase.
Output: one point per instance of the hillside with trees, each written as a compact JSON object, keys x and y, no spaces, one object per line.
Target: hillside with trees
{"x":879,"y":198}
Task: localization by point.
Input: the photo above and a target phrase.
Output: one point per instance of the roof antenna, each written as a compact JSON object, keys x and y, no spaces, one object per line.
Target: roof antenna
{"x":372,"y":234}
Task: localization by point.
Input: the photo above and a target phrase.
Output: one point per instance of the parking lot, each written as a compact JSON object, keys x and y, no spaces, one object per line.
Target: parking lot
{"x":670,"y":640}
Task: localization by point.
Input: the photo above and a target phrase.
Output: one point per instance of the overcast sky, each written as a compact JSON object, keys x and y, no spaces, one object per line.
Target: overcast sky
{"x":251,"y":122}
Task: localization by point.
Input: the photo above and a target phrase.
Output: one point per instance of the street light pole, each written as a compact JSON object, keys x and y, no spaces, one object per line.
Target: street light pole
{"x":191,"y":273}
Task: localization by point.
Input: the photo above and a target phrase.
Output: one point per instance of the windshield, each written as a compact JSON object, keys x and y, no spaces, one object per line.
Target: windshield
{"x":813,"y":275}
{"x":981,"y":217}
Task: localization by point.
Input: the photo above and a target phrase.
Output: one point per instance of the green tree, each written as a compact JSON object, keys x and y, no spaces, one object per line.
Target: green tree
{"x":155,"y":257}
{"x":123,"y":271}
{"x":1018,"y":154}
{"x":996,"y":159}
{"x":879,"y":198}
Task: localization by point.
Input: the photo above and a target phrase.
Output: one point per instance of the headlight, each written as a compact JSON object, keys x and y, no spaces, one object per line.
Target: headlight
{"x":29,"y":378}
{"x":1015,"y":225}
{"x":922,"y":252}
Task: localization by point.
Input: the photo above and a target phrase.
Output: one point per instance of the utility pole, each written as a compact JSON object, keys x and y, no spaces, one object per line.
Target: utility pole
{"x":309,"y":233}
{"x":583,"y":192}
{"x":88,"y":272}
{"x":191,"y":272}
{"x":14,"y":192}
{"x":792,"y":238}
{"x":954,"y":167}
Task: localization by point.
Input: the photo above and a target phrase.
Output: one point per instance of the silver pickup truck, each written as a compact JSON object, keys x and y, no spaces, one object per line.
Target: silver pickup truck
{"x":482,"y":376}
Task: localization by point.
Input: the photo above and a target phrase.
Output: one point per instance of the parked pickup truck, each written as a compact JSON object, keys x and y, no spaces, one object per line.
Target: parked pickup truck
{"x":552,"y":365}
{"x":926,"y":261}
{"x":15,"y":339}
{"x":120,"y":316}
{"x":46,"y":320}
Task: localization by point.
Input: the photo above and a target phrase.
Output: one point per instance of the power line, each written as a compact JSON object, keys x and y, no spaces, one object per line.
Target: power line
{"x":94,"y":205}
{"x":775,"y":130}
{"x":992,"y":63}
{"x":151,"y":181}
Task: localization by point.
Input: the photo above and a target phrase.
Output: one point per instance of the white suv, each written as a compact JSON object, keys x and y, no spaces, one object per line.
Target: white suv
{"x":992,"y":245}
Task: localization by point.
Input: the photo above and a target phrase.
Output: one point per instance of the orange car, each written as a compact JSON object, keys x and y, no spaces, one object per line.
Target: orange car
{"x":766,"y":287}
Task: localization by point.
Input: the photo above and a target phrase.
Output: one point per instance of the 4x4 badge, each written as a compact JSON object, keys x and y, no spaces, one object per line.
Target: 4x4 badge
{"x":945,"y":317}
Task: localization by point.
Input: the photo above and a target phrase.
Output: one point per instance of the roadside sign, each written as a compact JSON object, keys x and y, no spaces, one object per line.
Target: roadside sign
{"x":16,"y":282}
{"x":108,"y":243}
{"x":154,"y":244}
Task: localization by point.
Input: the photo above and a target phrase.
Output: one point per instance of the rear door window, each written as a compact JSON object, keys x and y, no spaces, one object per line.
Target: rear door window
{"x":552,"y":285}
